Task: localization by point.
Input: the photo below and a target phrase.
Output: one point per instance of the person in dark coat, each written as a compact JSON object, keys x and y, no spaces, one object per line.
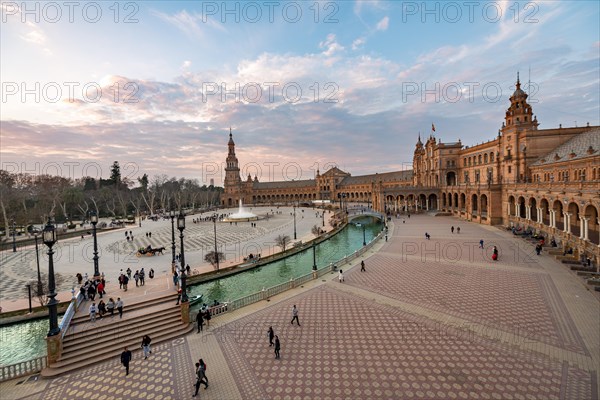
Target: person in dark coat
{"x":200,"y":321}
{"x":277,"y":347}
{"x":125,"y":358}
{"x":271,"y":336}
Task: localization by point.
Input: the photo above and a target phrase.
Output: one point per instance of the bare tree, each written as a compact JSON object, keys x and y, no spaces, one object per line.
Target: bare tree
{"x":282,"y":241}
{"x":42,"y":297}
{"x":316,"y":230}
{"x":213,"y":256}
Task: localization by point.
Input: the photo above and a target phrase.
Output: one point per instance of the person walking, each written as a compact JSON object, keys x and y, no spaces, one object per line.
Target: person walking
{"x":362,"y":266}
{"x":294,"y":316}
{"x":178,"y":297}
{"x":121,"y":275}
{"x":538,"y":249}
{"x":452,"y":229}
{"x":129,"y":273}
{"x":100,"y":289}
{"x":146,"y":346}
{"x":200,"y":378}
{"x":495,"y":254}
{"x":142,"y":276}
{"x":277,"y":347}
{"x":120,"y":307}
{"x":457,"y":230}
{"x":200,"y":321}
{"x":271,"y":334}
{"x":93,"y":311}
{"x":125,"y":358}
{"x":151,"y":273}
{"x":481,"y":244}
{"x":340,"y":277}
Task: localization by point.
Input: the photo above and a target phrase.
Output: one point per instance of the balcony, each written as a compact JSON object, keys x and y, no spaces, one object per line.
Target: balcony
{"x":508,"y":157}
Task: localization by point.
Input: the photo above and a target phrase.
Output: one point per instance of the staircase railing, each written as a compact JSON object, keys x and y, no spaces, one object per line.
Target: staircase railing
{"x":69,"y":314}
{"x":22,"y":368}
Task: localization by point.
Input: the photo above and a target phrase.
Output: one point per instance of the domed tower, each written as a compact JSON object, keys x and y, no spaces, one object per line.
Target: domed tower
{"x":232,"y":183}
{"x":519,"y":115}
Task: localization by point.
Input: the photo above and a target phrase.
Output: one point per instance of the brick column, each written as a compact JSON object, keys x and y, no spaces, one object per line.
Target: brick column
{"x":53,"y":347}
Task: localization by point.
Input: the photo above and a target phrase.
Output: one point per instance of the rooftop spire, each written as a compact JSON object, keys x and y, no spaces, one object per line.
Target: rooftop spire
{"x":518,"y":81}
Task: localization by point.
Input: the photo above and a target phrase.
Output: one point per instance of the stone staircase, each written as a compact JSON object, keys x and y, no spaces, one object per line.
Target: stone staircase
{"x":87,"y":343}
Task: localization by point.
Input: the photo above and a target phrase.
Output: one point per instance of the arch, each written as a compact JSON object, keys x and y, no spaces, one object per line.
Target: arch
{"x":444,"y":200}
{"x":512,"y":206}
{"x":557,"y":206}
{"x":575,"y":223}
{"x":451,"y":178}
{"x":455,"y":201}
{"x":474,"y":208}
{"x":484,"y":205}
{"x":433,"y":201}
{"x":533,"y":208}
{"x":485,"y":158}
{"x":591,"y":213}
{"x":463,"y":202}
{"x":545,"y":206}
{"x":521,"y":207}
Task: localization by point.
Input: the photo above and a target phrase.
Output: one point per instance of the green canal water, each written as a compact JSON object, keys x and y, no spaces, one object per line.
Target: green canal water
{"x":25,"y":341}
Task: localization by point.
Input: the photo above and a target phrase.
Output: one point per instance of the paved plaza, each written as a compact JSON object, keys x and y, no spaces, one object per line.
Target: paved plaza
{"x":75,"y":255}
{"x":429,"y":319}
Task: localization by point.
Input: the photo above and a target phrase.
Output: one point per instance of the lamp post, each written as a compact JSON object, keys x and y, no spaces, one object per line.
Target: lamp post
{"x":94,"y":221}
{"x":14,"y":234}
{"x":364,"y":236}
{"x":49,"y":238}
{"x":172,"y":215}
{"x":294,"y":222}
{"x":314,"y":256}
{"x":215,"y":228}
{"x":181,"y":227}
{"x":323,"y":216}
{"x":37,"y":259}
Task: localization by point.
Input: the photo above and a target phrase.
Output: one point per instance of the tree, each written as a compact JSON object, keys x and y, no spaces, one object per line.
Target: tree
{"x":42,"y":297}
{"x":213,"y":256}
{"x":115,"y":174}
{"x":316,"y":230}
{"x":282,"y":241}
{"x":144,"y":182}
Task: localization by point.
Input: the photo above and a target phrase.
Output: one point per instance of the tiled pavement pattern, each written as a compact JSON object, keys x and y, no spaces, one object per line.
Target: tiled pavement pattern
{"x":510,"y":300}
{"x":166,"y":374}
{"x":349,"y":347}
{"x":468,"y":329}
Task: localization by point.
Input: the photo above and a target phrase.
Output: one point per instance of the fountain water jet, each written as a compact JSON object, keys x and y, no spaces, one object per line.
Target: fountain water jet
{"x":241,"y":215}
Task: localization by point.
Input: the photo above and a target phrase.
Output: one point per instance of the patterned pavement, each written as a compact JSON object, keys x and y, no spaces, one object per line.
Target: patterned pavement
{"x":416,"y":325}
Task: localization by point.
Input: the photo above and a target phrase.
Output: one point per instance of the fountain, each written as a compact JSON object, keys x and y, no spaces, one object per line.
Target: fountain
{"x":241,"y":215}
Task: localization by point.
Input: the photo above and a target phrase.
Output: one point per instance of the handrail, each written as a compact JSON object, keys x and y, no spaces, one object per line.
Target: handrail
{"x":69,"y":314}
{"x":16,"y":370}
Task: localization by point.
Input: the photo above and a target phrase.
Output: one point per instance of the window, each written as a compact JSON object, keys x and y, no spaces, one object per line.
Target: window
{"x":477,"y":176}
{"x":479,"y":159}
{"x":485,"y":158}
{"x":491,"y":157}
{"x":509,"y":169}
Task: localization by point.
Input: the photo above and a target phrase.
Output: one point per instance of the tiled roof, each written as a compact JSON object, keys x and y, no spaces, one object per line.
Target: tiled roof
{"x":385,"y":177}
{"x":306,"y":183}
{"x":576,"y":148}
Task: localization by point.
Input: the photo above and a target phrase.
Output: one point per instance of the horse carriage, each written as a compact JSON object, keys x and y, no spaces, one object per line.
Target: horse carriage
{"x":149,"y":251}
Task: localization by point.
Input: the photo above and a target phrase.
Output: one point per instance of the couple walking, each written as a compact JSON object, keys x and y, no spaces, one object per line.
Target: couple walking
{"x":274,"y":341}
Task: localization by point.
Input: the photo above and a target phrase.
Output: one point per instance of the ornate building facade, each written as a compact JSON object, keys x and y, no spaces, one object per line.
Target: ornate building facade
{"x":546,"y":179}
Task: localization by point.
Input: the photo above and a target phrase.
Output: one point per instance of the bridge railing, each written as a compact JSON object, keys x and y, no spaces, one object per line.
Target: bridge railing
{"x":22,"y":368}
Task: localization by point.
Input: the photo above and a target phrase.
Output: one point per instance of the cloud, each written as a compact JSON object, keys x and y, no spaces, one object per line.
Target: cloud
{"x":358,"y":43}
{"x":193,"y":25}
{"x":383,"y":24}
{"x":330,"y":45}
{"x":186,"y":64}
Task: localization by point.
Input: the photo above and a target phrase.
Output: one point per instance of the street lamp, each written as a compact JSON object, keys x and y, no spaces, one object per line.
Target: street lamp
{"x":14,"y":232}
{"x":314,"y":257}
{"x":181,"y":227}
{"x":323,"y":216}
{"x":94,"y":221}
{"x":172,"y":216}
{"x":37,"y":259}
{"x":364,"y":236}
{"x":294,"y":222}
{"x":49,"y":238}
{"x":216,"y":252}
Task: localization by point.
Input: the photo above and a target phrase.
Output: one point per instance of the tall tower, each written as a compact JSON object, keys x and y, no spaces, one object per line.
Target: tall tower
{"x":233,"y":182}
{"x":418,"y":163}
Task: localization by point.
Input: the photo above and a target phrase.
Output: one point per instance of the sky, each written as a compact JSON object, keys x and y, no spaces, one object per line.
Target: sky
{"x":303,"y":85}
